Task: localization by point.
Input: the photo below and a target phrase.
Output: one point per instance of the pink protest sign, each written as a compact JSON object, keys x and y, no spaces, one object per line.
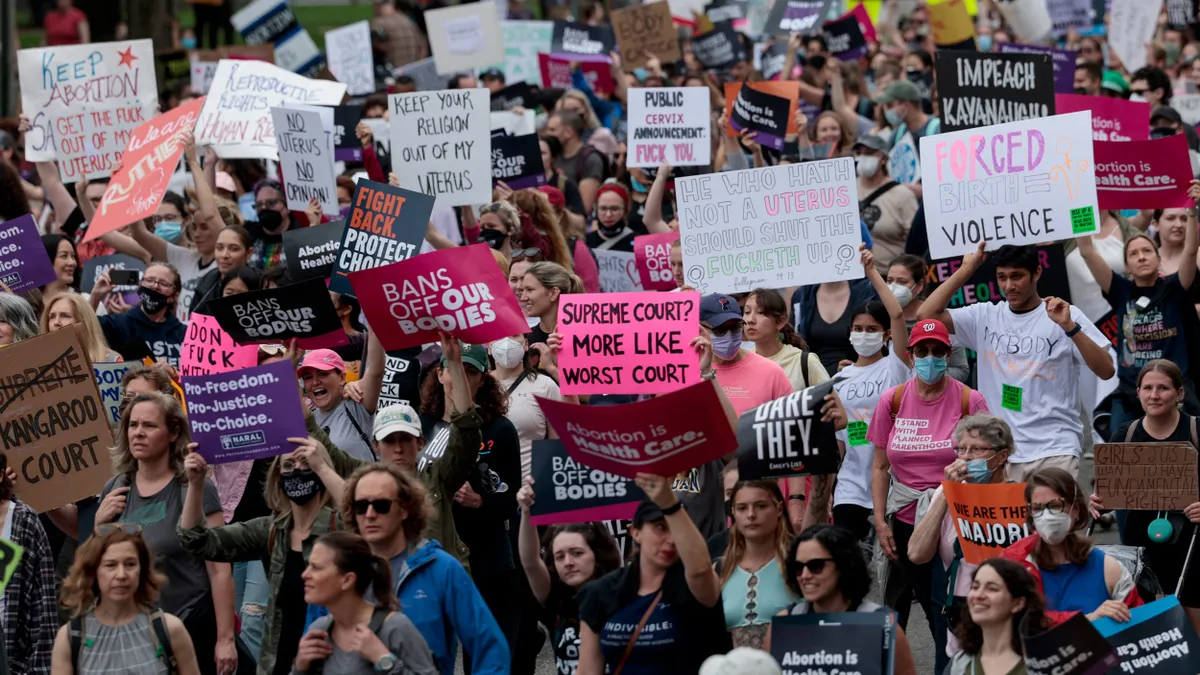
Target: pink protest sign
{"x":1113,"y":119}
{"x":665,"y":435}
{"x":1143,"y":174}
{"x":459,"y":290}
{"x":864,"y":22}
{"x":556,"y":73}
{"x":652,"y":253}
{"x":628,"y":343}
{"x":208,"y":349}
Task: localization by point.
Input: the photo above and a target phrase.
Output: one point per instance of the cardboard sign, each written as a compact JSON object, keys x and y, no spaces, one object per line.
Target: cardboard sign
{"x":762,"y":113}
{"x":806,"y":226}
{"x":645,"y":437}
{"x":797,"y":16}
{"x":302,"y":311}
{"x":1131,"y":27}
{"x":1064,"y":66}
{"x":208,"y":349}
{"x":982,"y":286}
{"x":581,"y":42}
{"x":671,"y":124}
{"x":150,"y":159}
{"x":1143,"y":174}
{"x":1039,"y":175}
{"x":516,"y":95}
{"x":652,"y":252}
{"x":311,"y":252}
{"x":950,"y":22}
{"x":90,"y":143}
{"x":442,"y":144}
{"x":834,"y":643}
{"x":517,"y":161}
{"x":273,"y":22}
{"x":569,"y":492}
{"x":386,"y":225}
{"x":236,"y":119}
{"x":54,"y":428}
{"x":1157,"y":640}
{"x":305,"y":159}
{"x":10,"y":558}
{"x":523,"y":41}
{"x":981,"y":89}
{"x":1073,"y":647}
{"x":346,"y":146}
{"x":461,"y":291}
{"x":57,"y":82}
{"x":788,"y":90}
{"x":645,"y":29}
{"x":245,"y":414}
{"x":618,"y":271}
{"x":1029,"y":19}
{"x":719,"y":47}
{"x":628,"y":343}
{"x":988,"y":518}
{"x":1147,"y":476}
{"x":348,"y":50}
{"x":465,"y":37}
{"x":108,"y":378}
{"x":786,"y":437}
{"x":845,"y":38}
{"x":24,"y":264}
{"x":1113,"y":119}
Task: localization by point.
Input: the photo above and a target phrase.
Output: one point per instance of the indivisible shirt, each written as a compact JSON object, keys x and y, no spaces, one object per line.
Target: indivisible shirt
{"x":1030,"y":369}
{"x":187,"y":261}
{"x":349,"y":427}
{"x":751,"y":381}
{"x":1152,"y":323}
{"x":860,"y":388}
{"x":525,"y":413}
{"x":658,"y":644}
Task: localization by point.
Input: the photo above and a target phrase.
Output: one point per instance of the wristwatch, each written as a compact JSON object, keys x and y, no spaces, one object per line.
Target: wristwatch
{"x":386,"y":663}
{"x":710,"y":375}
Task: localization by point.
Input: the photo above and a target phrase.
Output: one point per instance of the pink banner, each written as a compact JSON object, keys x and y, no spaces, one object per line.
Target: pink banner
{"x":864,"y":22}
{"x":208,"y":350}
{"x":665,"y":435}
{"x":556,"y":73}
{"x":628,"y":343}
{"x":1143,"y":174}
{"x":1113,"y":119}
{"x":653,"y":255}
{"x":459,"y":290}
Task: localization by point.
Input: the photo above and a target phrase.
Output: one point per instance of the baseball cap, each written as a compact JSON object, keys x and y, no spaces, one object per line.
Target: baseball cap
{"x":872,"y":142}
{"x":1166,"y":112}
{"x":1113,"y":81}
{"x":647,"y":512}
{"x":225,"y":182}
{"x":473,"y":355}
{"x":396,"y":417}
{"x":900,"y":90}
{"x":717,"y":308}
{"x":929,"y":329}
{"x":322,"y":359}
{"x":491,"y":74}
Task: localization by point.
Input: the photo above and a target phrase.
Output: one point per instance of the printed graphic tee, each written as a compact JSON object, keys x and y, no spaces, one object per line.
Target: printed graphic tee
{"x":860,"y":389}
{"x":656,"y":648}
{"x":1153,"y":323}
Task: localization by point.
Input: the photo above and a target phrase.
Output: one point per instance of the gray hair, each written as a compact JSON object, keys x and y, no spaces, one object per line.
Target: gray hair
{"x":507,"y":213}
{"x":18,"y":313}
{"x":989,"y":428}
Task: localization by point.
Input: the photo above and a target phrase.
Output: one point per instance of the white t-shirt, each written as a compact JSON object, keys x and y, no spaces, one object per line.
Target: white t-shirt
{"x":1085,"y":292}
{"x":1030,"y":358}
{"x":860,"y":389}
{"x":525,"y":413}
{"x":187,"y":261}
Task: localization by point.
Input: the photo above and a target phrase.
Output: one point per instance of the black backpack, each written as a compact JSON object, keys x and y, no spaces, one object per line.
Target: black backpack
{"x":158,"y":633}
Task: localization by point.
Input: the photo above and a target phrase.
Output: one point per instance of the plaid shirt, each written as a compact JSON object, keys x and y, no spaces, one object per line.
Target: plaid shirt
{"x":30,"y":617}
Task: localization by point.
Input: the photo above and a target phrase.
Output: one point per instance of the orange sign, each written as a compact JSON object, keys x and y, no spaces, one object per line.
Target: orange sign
{"x":789,"y":90}
{"x":988,"y":518}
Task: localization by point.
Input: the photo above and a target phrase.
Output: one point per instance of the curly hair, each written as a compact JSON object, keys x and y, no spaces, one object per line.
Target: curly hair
{"x":854,"y":581}
{"x":1020,"y":584}
{"x":537,"y":206}
{"x":124,"y":462}
{"x":508,"y":215}
{"x":491,"y":399}
{"x":410,"y":496}
{"x":80,"y":590}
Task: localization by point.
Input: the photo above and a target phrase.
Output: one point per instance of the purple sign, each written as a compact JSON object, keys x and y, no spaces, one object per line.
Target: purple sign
{"x":23,"y":262}
{"x":1064,"y":63}
{"x":245,"y":414}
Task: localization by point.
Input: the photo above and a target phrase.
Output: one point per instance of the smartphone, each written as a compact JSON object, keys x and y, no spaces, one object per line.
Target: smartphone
{"x":124,"y":277}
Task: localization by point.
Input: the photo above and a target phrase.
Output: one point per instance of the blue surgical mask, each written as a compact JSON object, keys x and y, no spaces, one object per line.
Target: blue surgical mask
{"x":984,"y":42}
{"x":189,"y":43}
{"x":930,"y":368}
{"x":893,"y":118}
{"x":638,"y":187}
{"x":171,"y":230}
{"x":727,"y":346}
{"x":978,"y":471}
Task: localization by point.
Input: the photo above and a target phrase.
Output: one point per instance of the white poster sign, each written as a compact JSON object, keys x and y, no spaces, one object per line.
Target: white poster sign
{"x":1188,"y":106}
{"x":442,"y":144}
{"x":618,"y":271}
{"x":1131,"y":28}
{"x":1029,"y":19}
{"x":523,"y":41}
{"x":236,"y":119}
{"x":424,"y":75}
{"x":513,"y":123}
{"x":903,"y":165}
{"x":772,"y":227}
{"x":306,"y":157}
{"x":669,"y":123}
{"x":348,"y":50}
{"x":90,"y":143}
{"x":202,"y":74}
{"x":1023,"y":182}
{"x":465,"y":37}
{"x":62,"y":81}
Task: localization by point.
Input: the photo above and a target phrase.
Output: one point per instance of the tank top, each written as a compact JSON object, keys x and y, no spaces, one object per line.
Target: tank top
{"x":128,"y":649}
{"x":1076,"y":588}
{"x":751,"y":598}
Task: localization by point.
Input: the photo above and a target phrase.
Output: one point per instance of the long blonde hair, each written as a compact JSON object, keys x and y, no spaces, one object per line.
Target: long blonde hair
{"x":590,"y":120}
{"x":93,"y":339}
{"x":537,"y":206}
{"x":737,"y":541}
{"x":124,"y":462}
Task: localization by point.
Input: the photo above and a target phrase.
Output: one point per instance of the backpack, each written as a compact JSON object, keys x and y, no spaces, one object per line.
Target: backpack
{"x":585,"y":152}
{"x":158,"y":634}
{"x":375,"y":625}
{"x":898,"y":394}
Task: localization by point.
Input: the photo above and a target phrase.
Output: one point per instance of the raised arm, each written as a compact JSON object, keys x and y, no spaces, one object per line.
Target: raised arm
{"x":373,"y":372}
{"x":204,"y":191}
{"x":934,"y":306}
{"x":1187,"y":262}
{"x":529,"y":548}
{"x":653,"y":216}
{"x":56,"y":192}
{"x":789,"y":57}
{"x":702,"y":580}
{"x":890,"y":303}
{"x":1100,"y":270}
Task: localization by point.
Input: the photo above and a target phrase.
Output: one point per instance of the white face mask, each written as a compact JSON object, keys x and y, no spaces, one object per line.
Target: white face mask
{"x":867,"y":165}
{"x":866,"y":344}
{"x":1137,"y":98}
{"x":508,"y":353}
{"x":904,"y":294}
{"x":1053,"y":527}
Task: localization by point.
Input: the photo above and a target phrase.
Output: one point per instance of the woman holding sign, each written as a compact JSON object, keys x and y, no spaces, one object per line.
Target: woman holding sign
{"x":538,"y":294}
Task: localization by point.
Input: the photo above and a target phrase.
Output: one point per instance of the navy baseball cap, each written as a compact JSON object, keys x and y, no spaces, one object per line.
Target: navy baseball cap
{"x":717,"y":308}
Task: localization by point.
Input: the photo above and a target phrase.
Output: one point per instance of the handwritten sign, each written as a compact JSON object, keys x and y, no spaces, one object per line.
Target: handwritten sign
{"x":305,"y":159}
{"x":981,"y":89}
{"x":245,"y":414}
{"x":348,"y":50}
{"x":618,"y":271}
{"x":523,"y":41}
{"x":23,"y":262}
{"x":204,"y":61}
{"x":786,"y":437}
{"x":108,"y":378}
{"x":90,"y":143}
{"x":1147,"y":476}
{"x":988,"y":518}
{"x":645,"y":29}
{"x":652,"y":252}
{"x":272,"y":22}
{"x":670,"y":124}
{"x":569,"y":492}
{"x":465,"y":37}
{"x":1132,"y":25}
{"x":442,"y":144}
{"x":386,"y":225}
{"x":1064,"y":65}
{"x":1143,"y":174}
{"x":1029,"y":19}
{"x":208,"y":349}
{"x":1113,"y":119}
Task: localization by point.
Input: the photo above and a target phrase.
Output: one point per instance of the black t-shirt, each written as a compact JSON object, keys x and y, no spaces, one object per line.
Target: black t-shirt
{"x":294,"y":610}
{"x":637,"y":216}
{"x":624,"y":241}
{"x":562,"y":618}
{"x":831,"y":341}
{"x":254,"y":503}
{"x":1152,"y":323}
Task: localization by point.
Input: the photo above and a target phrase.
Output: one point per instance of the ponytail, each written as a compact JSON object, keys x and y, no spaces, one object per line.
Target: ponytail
{"x":772,"y":304}
{"x":576,"y":285}
{"x":352,"y":554}
{"x":381,"y":585}
{"x":789,"y":336}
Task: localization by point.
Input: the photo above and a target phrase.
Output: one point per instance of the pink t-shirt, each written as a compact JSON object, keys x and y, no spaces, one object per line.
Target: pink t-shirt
{"x":752,"y":381}
{"x":920,"y":444}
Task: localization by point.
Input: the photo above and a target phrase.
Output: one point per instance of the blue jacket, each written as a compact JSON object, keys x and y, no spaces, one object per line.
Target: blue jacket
{"x":608,"y":112}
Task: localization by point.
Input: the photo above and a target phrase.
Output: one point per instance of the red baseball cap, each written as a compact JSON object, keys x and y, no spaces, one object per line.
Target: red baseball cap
{"x":929,"y":329}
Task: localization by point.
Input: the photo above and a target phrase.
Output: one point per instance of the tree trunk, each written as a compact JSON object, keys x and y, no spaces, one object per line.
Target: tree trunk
{"x":152,"y":19}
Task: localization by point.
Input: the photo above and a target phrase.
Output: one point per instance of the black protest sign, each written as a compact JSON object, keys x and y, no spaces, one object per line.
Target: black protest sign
{"x":982,"y":286}
{"x":978,"y":89}
{"x":845,"y":38}
{"x":773,"y":59}
{"x":311,"y":251}
{"x":517,"y":161}
{"x":95,"y":268}
{"x":582,"y":41}
{"x":174,"y":70}
{"x":346,"y":146}
{"x":1157,"y":640}
{"x":386,"y":225}
{"x":570,"y":492}
{"x":401,"y":378}
{"x":303,"y":311}
{"x":516,"y":95}
{"x":786,"y":437}
{"x":833,"y":643}
{"x":761,"y":112}
{"x":796,"y":16}
{"x":1073,"y":647}
{"x":719,"y":47}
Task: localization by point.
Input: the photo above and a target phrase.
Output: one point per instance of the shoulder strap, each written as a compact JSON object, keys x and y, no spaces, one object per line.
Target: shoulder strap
{"x":271,"y":541}
{"x":1195,"y":443}
{"x":966,"y":401}
{"x":637,"y":632}
{"x":1134,"y":425}
{"x":76,"y":635}
{"x":361,"y":434}
{"x":561,"y":179}
{"x":879,"y":191}
{"x":897,"y":395}
{"x":804,"y":365}
{"x":516,"y":383}
{"x":377,"y":618}
{"x":162,"y":641}
{"x":607,"y":244}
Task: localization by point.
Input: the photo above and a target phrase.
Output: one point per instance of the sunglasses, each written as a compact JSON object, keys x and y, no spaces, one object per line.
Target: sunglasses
{"x":381,"y":506}
{"x":127,"y":528}
{"x":815,"y":566}
{"x":272,"y":350}
{"x":526,"y":252}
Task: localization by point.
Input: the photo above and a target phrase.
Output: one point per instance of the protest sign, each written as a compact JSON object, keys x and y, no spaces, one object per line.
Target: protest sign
{"x":628,"y":343}
{"x":523,"y":41}
{"x":443,"y":145}
{"x":386,"y":224}
{"x":24,"y":264}
{"x":788,"y":90}
{"x":988,"y":518}
{"x":512,"y":123}
{"x":90,"y":143}
{"x":137,"y":189}
{"x":245,"y":414}
{"x":302,"y":311}
{"x":346,"y":146}
{"x":556,"y":73}
{"x":401,"y":378}
{"x":652,"y":253}
{"x":1113,"y":119}
{"x":786,"y":437}
{"x":94,"y":268}
{"x":845,"y":38}
{"x":1029,"y":19}
{"x":645,"y":437}
{"x":1143,"y":174}
{"x":1068,"y":14}
{"x":645,"y":29}
{"x":273,"y":22}
{"x":1064,"y":65}
{"x":581,"y":42}
{"x":204,"y":61}
{"x":1131,"y":27}
{"x":618,"y":271}
{"x":517,"y":161}
{"x":982,"y":286}
{"x":173,"y":69}
{"x":762,"y":113}
{"x":424,"y":74}
{"x":1181,"y":13}
{"x":841,"y":642}
{"x":108,"y":379}
{"x":208,"y":349}
{"x":806,"y":226}
{"x":1158,"y":639}
{"x":951,"y":23}
{"x":1146,"y":476}
{"x":311,"y":252}
{"x":515,"y":95}
{"x":797,"y":16}
{"x":10,"y":559}
{"x":865,"y":23}
{"x":669,"y":117}
{"x":569,"y":492}
{"x":719,"y":47}
{"x":53,"y":425}
{"x":981,"y":89}
{"x":1188,"y":106}
{"x":236,"y":119}
{"x":460,"y":290}
{"x":1072,"y":647}
{"x":202,"y":74}
{"x":348,"y":50}
{"x":66,"y":80}
{"x":733,"y":11}
{"x":772,"y":60}
{"x":1036,"y":183}
{"x":465,"y":37}
{"x":305,"y":160}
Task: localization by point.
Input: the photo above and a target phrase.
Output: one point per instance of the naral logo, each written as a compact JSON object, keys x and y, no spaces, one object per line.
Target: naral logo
{"x":11,"y":279}
{"x":246,"y":440}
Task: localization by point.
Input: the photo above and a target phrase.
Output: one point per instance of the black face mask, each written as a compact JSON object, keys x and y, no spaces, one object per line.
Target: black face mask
{"x":493,"y":238}
{"x":270,"y":219}
{"x":301,"y":485}
{"x":152,"y":300}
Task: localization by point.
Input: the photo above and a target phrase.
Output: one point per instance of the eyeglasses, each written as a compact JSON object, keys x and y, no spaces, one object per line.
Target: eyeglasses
{"x":1053,"y":506}
{"x":1139,"y":92}
{"x":923,"y":350}
{"x":974,"y":451}
{"x":531,"y":252}
{"x":815,"y":566}
{"x":127,"y":528}
{"x":157,"y":283}
{"x":381,"y":506}
{"x":610,"y":209}
{"x":267,"y":204}
{"x":290,"y":465}
{"x":727,"y":328}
